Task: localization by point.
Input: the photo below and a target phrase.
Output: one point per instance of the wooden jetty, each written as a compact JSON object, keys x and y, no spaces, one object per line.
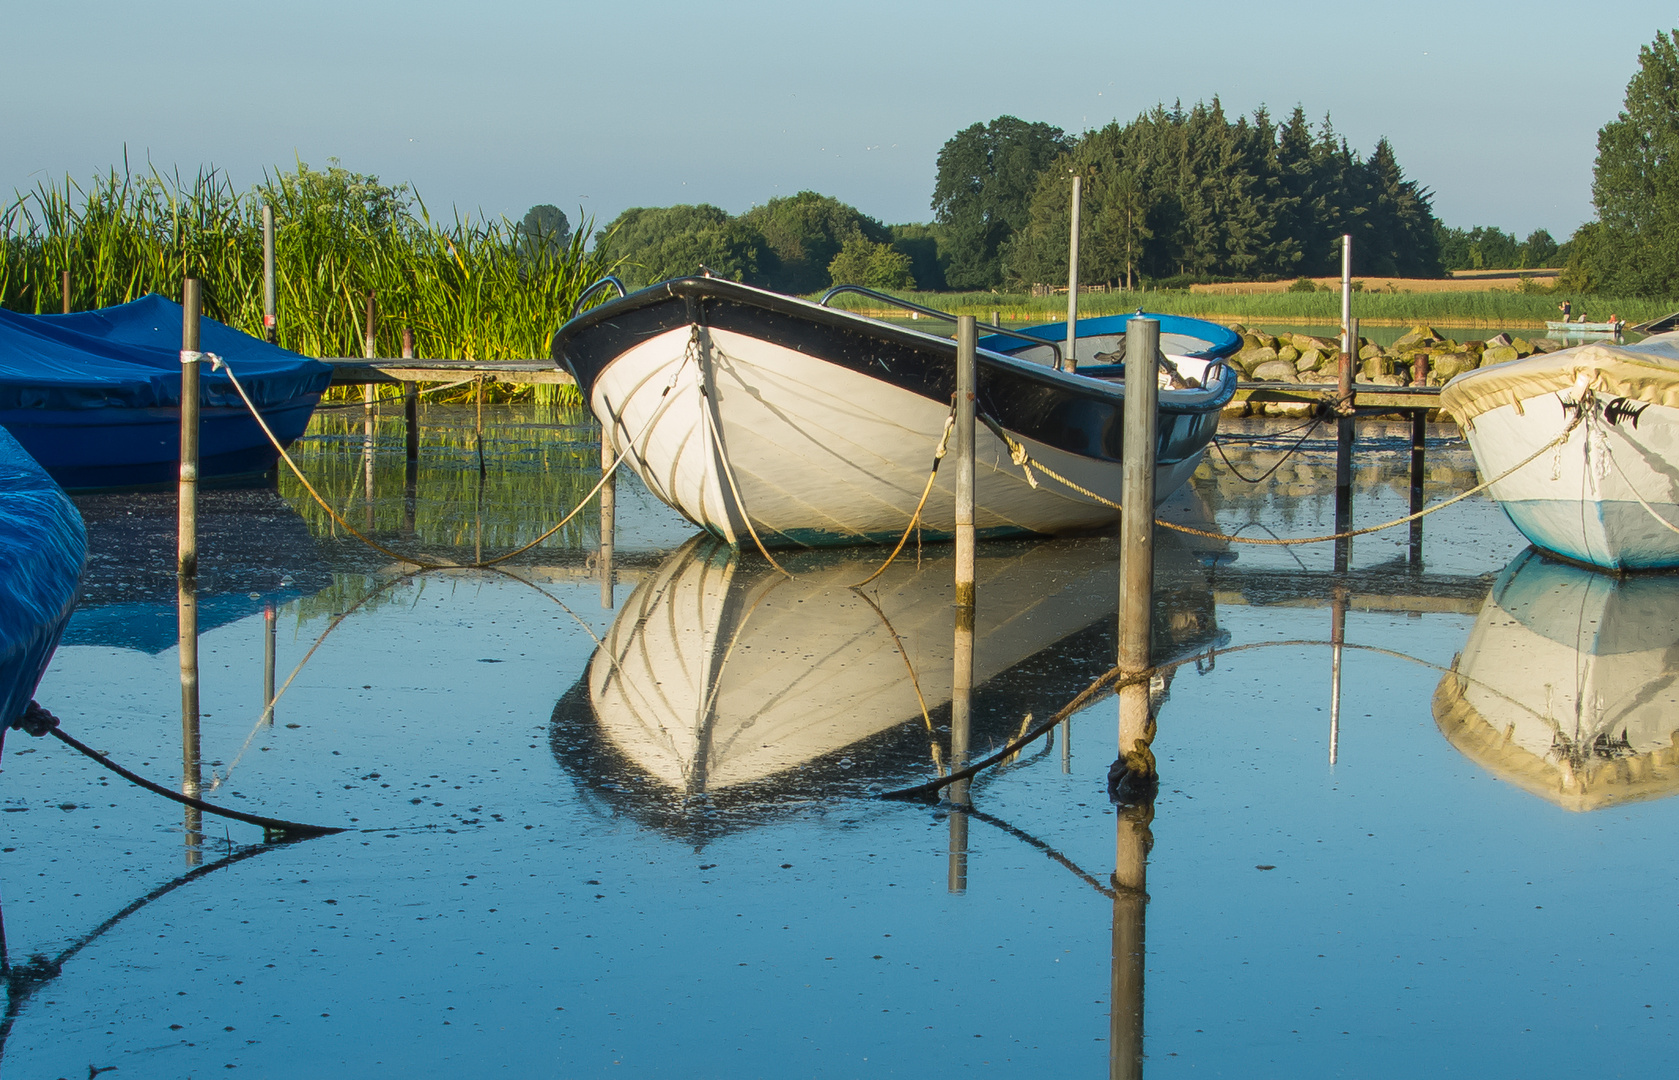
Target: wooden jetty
{"x":360,"y":371}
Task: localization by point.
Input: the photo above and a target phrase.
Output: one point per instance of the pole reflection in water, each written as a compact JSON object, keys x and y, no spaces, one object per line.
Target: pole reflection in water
{"x":608,"y":516}
{"x":191,"y":773}
{"x":1133,"y":840}
{"x":268,"y":663}
{"x":1337,"y":637}
{"x":961,"y":734}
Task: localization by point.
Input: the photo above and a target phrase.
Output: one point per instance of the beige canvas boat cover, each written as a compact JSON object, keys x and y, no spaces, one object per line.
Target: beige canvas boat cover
{"x":1647,"y":371}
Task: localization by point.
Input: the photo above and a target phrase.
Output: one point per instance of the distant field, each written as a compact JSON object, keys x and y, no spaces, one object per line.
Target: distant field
{"x":1460,"y":281}
{"x":1483,"y":307}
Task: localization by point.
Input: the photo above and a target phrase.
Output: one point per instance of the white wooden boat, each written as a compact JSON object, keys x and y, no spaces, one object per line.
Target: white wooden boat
{"x":1566,"y":687}
{"x":722,"y":679}
{"x":1577,"y":328}
{"x":820,"y":425}
{"x":1609,"y":495}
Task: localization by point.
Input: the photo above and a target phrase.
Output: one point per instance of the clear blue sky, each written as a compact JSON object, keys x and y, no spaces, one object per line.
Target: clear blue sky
{"x":501,"y":104}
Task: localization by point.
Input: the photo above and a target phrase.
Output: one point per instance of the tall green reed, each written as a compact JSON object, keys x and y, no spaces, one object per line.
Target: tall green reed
{"x":468,"y":289}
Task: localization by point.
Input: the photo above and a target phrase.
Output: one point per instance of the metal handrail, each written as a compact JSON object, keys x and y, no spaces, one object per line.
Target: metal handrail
{"x":937,"y":314}
{"x":596,"y":287}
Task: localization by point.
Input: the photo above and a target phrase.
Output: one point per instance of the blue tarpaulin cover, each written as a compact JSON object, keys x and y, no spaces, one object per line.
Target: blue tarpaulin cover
{"x":129,"y":356}
{"x":42,"y":549}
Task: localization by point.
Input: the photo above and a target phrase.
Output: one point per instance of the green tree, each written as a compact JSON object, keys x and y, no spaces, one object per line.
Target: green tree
{"x":544,"y":228}
{"x":1635,"y":183}
{"x":877,"y":266}
{"x":922,"y":243}
{"x":656,"y":243}
{"x":983,"y":191}
{"x":803,"y":234}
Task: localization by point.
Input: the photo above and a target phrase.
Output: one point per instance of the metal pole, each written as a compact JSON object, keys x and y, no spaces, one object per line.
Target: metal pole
{"x":186,"y":562}
{"x":1070,"y":361}
{"x":66,"y":286}
{"x":608,"y":516}
{"x":956,"y":873}
{"x":1134,"y":771}
{"x":1347,"y":293}
{"x":966,"y":379}
{"x":268,"y":663}
{"x":270,"y":322}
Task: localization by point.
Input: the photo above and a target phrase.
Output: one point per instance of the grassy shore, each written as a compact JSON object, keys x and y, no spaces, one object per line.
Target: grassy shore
{"x":1491,"y":308}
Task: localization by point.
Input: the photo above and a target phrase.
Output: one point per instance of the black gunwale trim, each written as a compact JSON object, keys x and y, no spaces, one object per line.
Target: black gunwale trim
{"x":1075,"y":413}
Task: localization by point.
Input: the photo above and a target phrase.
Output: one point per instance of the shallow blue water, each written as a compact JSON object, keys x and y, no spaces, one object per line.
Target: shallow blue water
{"x":524,"y":891}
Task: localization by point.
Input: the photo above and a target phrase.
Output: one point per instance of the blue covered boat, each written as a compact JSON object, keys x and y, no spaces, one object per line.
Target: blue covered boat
{"x":95,"y":396}
{"x":43,"y":547}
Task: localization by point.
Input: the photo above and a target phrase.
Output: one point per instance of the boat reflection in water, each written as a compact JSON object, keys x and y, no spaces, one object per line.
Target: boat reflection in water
{"x":1566,"y":687}
{"x":725,"y":689}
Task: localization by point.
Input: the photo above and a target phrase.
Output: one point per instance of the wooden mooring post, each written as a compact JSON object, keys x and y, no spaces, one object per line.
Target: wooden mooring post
{"x":1419,"y":444}
{"x":1070,"y":362}
{"x":186,"y":563}
{"x":65,"y":283}
{"x":1132,"y":779}
{"x":1337,"y":637}
{"x":962,"y":663}
{"x":1344,"y":443}
{"x":270,"y":319}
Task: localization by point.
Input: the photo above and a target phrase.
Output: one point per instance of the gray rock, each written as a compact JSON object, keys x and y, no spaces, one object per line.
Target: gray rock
{"x":1499,"y":354}
{"x":1289,"y":353}
{"x":1367,"y":351}
{"x":1501,"y":339}
{"x":1376,"y":365}
{"x":1415,"y":336}
{"x":1276,"y":371}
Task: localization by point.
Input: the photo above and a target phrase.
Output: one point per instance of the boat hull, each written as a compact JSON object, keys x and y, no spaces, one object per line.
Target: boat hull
{"x":753,"y":413}
{"x":1581,"y":501}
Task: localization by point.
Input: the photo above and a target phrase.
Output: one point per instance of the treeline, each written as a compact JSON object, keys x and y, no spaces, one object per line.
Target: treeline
{"x":1177,"y":193}
{"x":1491,"y":248}
{"x":794,"y":243}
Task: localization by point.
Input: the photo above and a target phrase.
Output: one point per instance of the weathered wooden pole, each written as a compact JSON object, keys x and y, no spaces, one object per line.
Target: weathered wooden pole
{"x":368,"y":397}
{"x":65,"y":283}
{"x":268,"y":663}
{"x":962,"y":672}
{"x":1344,"y":445}
{"x":608,"y":516}
{"x":966,"y":379}
{"x":410,"y":403}
{"x":996,"y":317}
{"x":270,"y":317}
{"x":1070,"y":362}
{"x":1066,"y":727}
{"x":1133,"y":777}
{"x":1130,"y":885}
{"x":956,"y":871}
{"x":186,"y":563}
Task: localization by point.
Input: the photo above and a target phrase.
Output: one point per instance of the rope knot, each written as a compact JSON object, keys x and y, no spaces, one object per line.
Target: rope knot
{"x":36,"y":720}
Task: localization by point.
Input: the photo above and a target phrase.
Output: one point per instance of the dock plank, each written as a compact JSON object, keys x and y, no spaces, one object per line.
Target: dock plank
{"x":358,"y":370}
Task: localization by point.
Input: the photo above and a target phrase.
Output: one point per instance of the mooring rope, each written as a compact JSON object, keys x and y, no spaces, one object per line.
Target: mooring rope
{"x":38,"y":721}
{"x":1115,"y":679}
{"x":1022,"y":457}
{"x":606,"y":474}
{"x":1628,"y":482}
{"x":1266,"y":475}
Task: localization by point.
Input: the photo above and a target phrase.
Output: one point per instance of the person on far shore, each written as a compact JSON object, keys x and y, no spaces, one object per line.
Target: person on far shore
{"x":1566,"y":308}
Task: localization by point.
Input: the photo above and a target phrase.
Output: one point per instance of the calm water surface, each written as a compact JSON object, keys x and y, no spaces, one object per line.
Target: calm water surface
{"x":638,"y":835}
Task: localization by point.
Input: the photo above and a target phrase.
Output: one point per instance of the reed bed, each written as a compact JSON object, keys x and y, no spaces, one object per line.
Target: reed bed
{"x":468,"y":289}
{"x":1501,"y":309}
